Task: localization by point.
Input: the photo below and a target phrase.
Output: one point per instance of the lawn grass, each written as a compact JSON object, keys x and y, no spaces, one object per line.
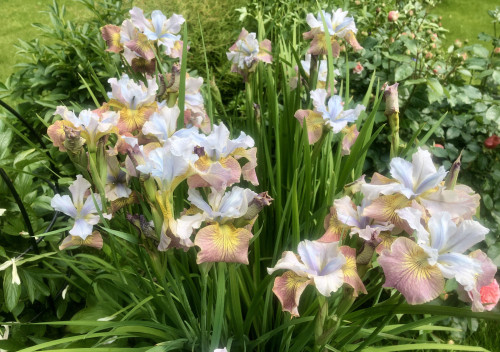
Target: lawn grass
{"x":465,"y":19}
{"x":17,"y":16}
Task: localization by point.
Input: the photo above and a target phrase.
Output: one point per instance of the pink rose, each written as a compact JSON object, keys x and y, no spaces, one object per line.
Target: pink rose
{"x":490,"y":295}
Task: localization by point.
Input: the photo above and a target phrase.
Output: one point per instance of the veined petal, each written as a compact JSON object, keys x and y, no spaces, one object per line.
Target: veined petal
{"x":350,"y":271}
{"x":290,"y":261}
{"x":314,"y":123}
{"x":402,"y":171}
{"x":111,"y":34}
{"x":335,"y":229}
{"x":461,"y":267}
{"x":223,"y":243}
{"x":94,"y":240}
{"x":248,"y":170}
{"x":406,"y":269}
{"x":461,"y":202}
{"x":78,"y":189}
{"x":383,"y":209}
{"x":64,"y":204}
{"x":288,"y":288}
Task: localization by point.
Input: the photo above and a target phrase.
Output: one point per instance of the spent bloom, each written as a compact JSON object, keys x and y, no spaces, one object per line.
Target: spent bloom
{"x":339,"y":27}
{"x":327,"y":266}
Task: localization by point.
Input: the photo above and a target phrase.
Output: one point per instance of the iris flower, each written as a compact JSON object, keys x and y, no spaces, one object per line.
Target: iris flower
{"x":92,"y":124}
{"x":159,"y":28}
{"x":418,"y":181}
{"x":135,"y":102}
{"x":331,"y":115}
{"x":339,"y":27}
{"x":218,"y":163}
{"x":247,"y":52}
{"x":221,"y":240}
{"x":323,"y":265}
{"x":82,"y":209}
{"x":418,"y":269}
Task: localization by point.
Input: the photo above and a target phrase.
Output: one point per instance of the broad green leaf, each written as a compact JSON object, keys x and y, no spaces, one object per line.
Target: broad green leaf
{"x":402,"y":72}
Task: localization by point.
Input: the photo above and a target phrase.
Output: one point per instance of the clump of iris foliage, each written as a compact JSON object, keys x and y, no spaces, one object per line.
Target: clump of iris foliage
{"x":181,"y":224}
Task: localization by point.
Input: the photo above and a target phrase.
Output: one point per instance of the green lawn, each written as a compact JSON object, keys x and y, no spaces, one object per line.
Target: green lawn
{"x":465,"y":19}
{"x":18,"y":15}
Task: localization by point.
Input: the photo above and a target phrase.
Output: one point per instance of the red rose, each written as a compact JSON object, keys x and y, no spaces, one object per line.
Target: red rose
{"x":492,"y":142}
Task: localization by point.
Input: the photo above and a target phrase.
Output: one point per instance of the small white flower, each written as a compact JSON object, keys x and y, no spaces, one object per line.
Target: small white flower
{"x":15,"y":277}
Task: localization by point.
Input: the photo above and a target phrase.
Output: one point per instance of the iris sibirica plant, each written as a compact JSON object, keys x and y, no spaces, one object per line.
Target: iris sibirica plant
{"x":253,"y":228}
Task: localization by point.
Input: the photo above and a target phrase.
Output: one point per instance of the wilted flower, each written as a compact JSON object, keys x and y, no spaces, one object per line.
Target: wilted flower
{"x":247,"y":52}
{"x":331,"y":116}
{"x":83,"y":211}
{"x":324,"y":265}
{"x":437,"y":254}
{"x":339,"y":26}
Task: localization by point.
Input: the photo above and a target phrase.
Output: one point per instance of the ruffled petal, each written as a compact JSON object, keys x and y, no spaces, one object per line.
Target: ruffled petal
{"x":223,"y":243}
{"x":350,"y":271}
{"x":64,"y":204}
{"x":406,"y":269}
{"x":288,"y":288}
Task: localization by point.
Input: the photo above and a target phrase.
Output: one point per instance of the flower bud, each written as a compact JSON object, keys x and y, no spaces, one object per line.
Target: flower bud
{"x":497,"y":50}
{"x":393,"y":16}
{"x":458,"y":43}
{"x":451,"y":178}
{"x":391,"y":99}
